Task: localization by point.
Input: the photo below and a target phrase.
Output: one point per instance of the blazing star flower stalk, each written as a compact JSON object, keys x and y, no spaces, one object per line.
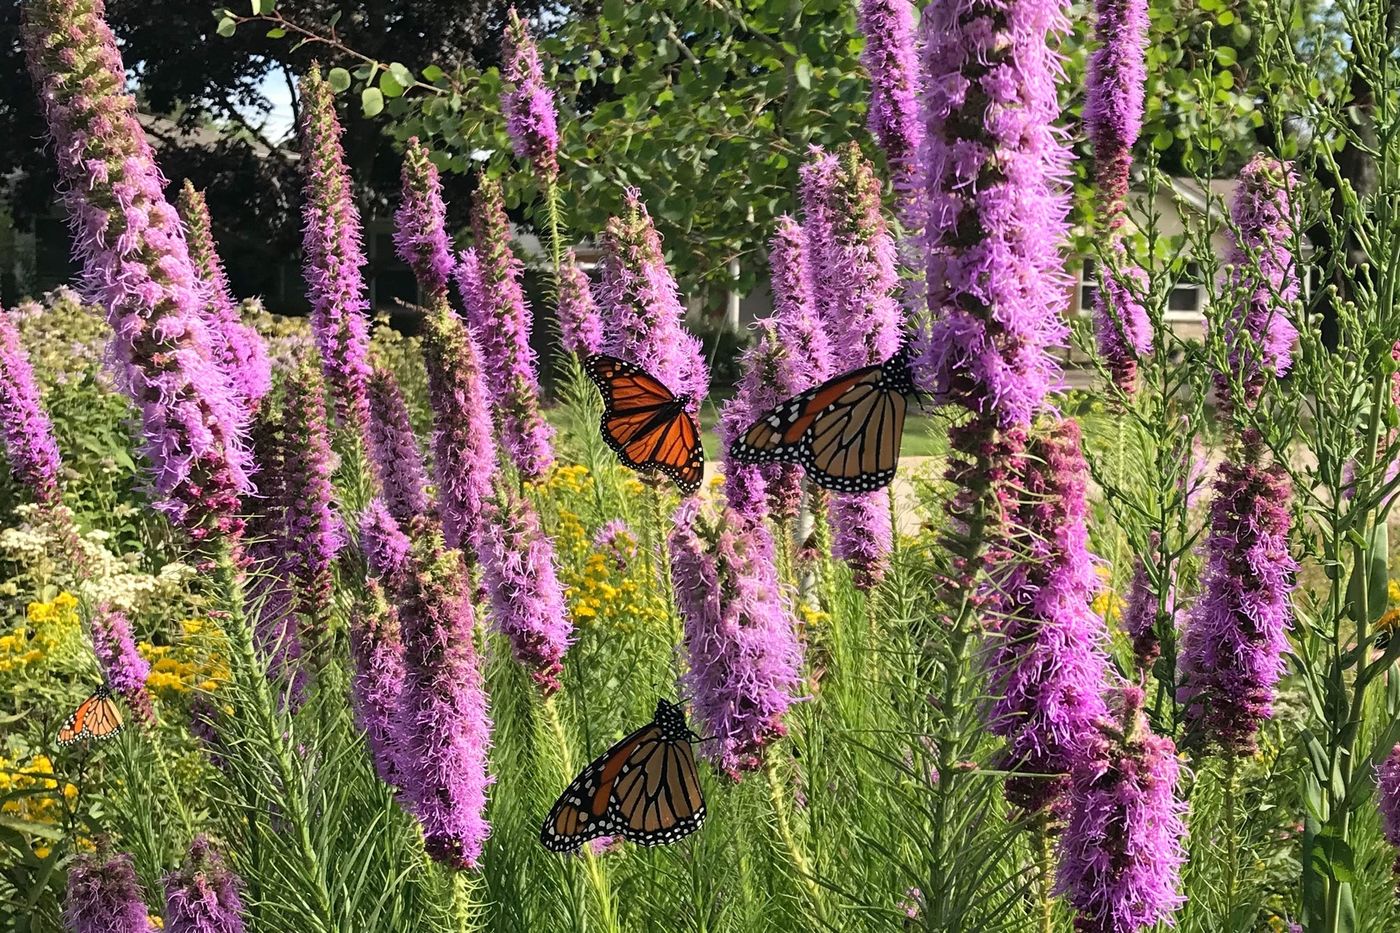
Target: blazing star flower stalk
{"x":382,"y":540}
{"x":642,"y":312}
{"x":527,"y":102}
{"x":202,"y":895}
{"x":619,"y":542}
{"x":863,"y":318}
{"x":747,"y":487}
{"x":394,"y":454}
{"x":238,"y":348}
{"x":1140,"y":617}
{"x":1048,"y":662}
{"x":104,"y":896}
{"x":377,"y":652}
{"x":740,"y":639}
{"x":1120,"y":855}
{"x":995,"y":208}
{"x":891,"y":58}
{"x":464,"y":449}
{"x":442,"y":728}
{"x":25,"y":428}
{"x":527,"y":601}
{"x":123,"y":668}
{"x":137,"y":267}
{"x":1259,"y":336}
{"x":1231,"y":654}
{"x":1121,"y":324}
{"x":580,"y":326}
{"x":334,"y":247}
{"x":501,"y":322}
{"x":1388,"y":802}
{"x":420,"y":225}
{"x":268,"y":590}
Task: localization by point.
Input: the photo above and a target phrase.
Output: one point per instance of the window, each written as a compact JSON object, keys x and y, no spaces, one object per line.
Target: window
{"x":1187,"y":298}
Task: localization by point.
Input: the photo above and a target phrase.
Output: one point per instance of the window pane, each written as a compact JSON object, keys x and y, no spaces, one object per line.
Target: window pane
{"x":1185,"y":298}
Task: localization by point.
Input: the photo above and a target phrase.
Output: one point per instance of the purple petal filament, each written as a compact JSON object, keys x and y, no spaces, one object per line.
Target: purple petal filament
{"x":382,"y":541}
{"x":394,"y":454}
{"x":25,"y":427}
{"x":1048,"y":662}
{"x":1232,"y":649}
{"x":891,"y":58}
{"x":137,"y":267}
{"x":1122,"y":851}
{"x":238,"y":348}
{"x":104,"y":896}
{"x":527,"y":102}
{"x":580,"y":326}
{"x":333,"y":243}
{"x":501,"y":322}
{"x":202,"y":895}
{"x":740,"y":638}
{"x":420,"y":225}
{"x":123,"y":668}
{"x":527,"y":601}
{"x":995,"y":200}
{"x":747,"y":487}
{"x":1258,"y":335}
{"x":642,"y":312}
{"x":442,"y":728}
{"x":464,"y":449}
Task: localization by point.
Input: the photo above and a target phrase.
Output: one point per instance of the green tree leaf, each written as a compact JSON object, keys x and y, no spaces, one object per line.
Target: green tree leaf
{"x":338,"y":79}
{"x":371,"y":102}
{"x":226,"y":27}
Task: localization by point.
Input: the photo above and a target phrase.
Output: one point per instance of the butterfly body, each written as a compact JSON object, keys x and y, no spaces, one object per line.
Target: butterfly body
{"x":97,"y":717}
{"x":644,"y":788}
{"x":648,"y":427}
{"x":845,"y":432}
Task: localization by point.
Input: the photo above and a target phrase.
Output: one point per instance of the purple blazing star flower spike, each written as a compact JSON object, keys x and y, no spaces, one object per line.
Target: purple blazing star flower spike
{"x":1388,"y":801}
{"x":527,"y":602}
{"x":891,"y":58}
{"x":269,"y":593}
{"x":394,"y":453}
{"x":377,"y":651}
{"x":122,"y":665}
{"x":527,"y":102}
{"x":238,"y":348}
{"x":442,"y":728}
{"x":382,"y":541}
{"x":104,"y":896}
{"x":1048,"y":663}
{"x":1232,"y":650}
{"x":420,"y":225}
{"x":25,"y":427}
{"x":137,"y":267}
{"x":464,"y":450}
{"x":863,"y":318}
{"x":745,"y":659}
{"x":994,"y":167}
{"x":1258,"y":334}
{"x":750,"y":489}
{"x":1113,"y":108}
{"x":1121,"y":852}
{"x":642,"y":312}
{"x":501,"y":322}
{"x":333,"y":243}
{"x":202,"y":895}
{"x":818,"y":192}
{"x":580,"y":326}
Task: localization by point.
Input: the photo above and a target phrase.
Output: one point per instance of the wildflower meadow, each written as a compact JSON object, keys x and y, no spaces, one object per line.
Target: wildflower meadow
{"x":313,"y":618}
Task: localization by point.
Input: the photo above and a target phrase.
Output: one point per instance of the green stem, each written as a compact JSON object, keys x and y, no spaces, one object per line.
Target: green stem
{"x":173,"y":792}
{"x":593,"y":866}
{"x":1047,"y":879}
{"x":556,"y":245}
{"x":1231,"y":828}
{"x":662,"y":554}
{"x":464,"y":907}
{"x":254,"y":683}
{"x":796,"y":853}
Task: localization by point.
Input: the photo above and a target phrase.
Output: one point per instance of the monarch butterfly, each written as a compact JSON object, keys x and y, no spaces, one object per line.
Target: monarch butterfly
{"x":644,"y":788}
{"x":97,"y":717}
{"x":845,"y":432}
{"x":645,"y":424}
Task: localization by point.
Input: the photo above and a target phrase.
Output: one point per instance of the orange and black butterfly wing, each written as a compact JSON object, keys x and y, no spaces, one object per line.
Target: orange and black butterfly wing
{"x":657,"y":799}
{"x":778,"y":434}
{"x":97,"y":717}
{"x":645,"y":424}
{"x":584,"y":810}
{"x":854,"y":445}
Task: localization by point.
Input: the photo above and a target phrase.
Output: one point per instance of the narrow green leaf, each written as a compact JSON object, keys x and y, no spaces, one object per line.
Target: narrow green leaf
{"x":276,"y":32}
